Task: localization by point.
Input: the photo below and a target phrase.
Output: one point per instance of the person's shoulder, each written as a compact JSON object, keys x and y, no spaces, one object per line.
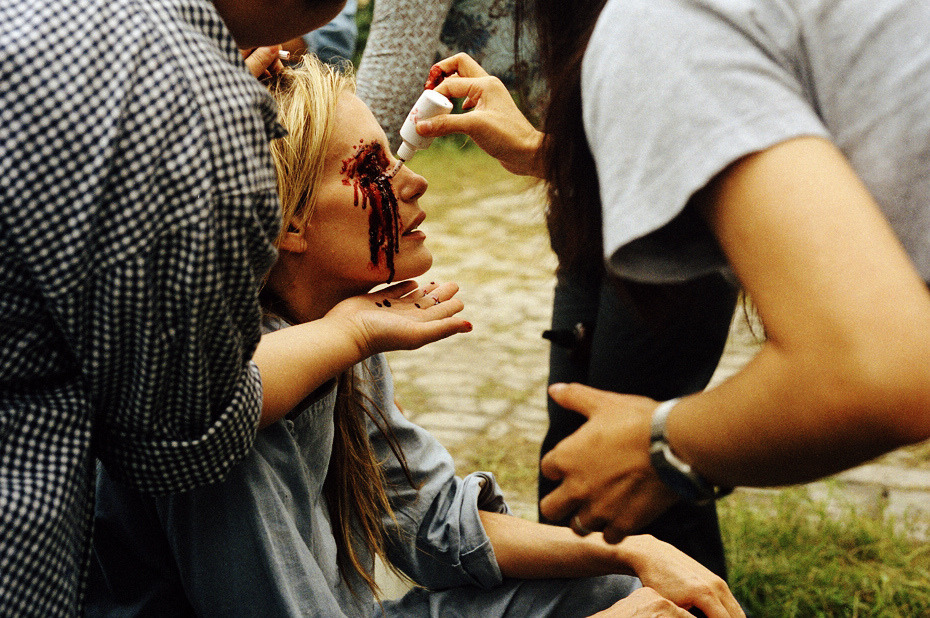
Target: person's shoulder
{"x":111,"y":44}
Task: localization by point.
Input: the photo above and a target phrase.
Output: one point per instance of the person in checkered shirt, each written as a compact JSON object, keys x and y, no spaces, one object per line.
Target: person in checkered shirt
{"x":137,"y":213}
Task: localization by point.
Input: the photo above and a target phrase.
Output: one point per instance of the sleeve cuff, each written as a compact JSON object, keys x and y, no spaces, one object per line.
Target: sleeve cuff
{"x":170,"y":466}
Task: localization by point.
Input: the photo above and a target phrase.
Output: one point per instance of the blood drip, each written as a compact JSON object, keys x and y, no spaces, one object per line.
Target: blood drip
{"x":435,"y":77}
{"x":367,"y":169}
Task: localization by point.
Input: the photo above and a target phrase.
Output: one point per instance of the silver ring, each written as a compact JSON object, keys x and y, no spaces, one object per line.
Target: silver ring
{"x":578,"y":528}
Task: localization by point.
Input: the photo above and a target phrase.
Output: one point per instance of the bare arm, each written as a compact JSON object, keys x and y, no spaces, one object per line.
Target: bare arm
{"x":529,"y":550}
{"x":297,"y":360}
{"x":845,"y":372}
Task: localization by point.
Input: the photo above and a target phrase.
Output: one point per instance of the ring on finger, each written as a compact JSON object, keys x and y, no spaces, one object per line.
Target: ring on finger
{"x":578,"y":527}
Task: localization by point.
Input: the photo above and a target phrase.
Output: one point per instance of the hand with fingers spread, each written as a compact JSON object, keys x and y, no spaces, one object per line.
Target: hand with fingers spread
{"x":606,"y":477}
{"x":402,"y":316}
{"x":493,"y":120}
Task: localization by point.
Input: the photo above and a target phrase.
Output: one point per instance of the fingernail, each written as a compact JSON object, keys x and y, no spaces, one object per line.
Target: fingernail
{"x":424,"y":126}
{"x":468,"y":326}
{"x":556,"y":388}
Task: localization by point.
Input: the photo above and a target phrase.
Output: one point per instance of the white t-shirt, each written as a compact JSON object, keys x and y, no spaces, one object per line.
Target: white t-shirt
{"x":673,"y":91}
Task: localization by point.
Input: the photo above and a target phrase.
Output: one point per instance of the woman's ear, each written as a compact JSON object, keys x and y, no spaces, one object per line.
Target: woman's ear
{"x":293,"y":239}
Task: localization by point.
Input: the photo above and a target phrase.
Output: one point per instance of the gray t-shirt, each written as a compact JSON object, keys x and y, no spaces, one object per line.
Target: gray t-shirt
{"x":674,"y":91}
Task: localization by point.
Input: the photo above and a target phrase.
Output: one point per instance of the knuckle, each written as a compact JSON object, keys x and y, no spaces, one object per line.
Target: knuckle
{"x":600,"y":514}
{"x":612,"y":535}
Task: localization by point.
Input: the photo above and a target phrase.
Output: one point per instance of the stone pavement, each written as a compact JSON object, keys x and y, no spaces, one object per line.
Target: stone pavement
{"x":491,"y":382}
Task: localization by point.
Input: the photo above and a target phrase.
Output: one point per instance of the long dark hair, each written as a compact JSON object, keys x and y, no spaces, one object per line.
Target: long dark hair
{"x":563,"y":30}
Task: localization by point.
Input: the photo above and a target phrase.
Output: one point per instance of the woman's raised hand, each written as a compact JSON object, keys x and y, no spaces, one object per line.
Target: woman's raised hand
{"x":402,"y":316}
{"x":493,"y":120}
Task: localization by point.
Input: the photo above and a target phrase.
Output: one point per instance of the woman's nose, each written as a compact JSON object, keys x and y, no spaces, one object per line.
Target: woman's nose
{"x":410,"y":186}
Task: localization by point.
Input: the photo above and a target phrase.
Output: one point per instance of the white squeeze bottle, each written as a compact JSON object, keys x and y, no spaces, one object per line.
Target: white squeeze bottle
{"x":430,"y":104}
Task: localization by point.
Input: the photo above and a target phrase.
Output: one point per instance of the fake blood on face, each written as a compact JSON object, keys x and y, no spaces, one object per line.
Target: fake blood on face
{"x":368,"y":170}
{"x":435,"y":77}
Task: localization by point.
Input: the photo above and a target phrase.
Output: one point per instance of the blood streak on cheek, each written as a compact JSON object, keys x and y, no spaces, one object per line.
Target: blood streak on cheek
{"x":368,"y":171}
{"x":435,"y":77}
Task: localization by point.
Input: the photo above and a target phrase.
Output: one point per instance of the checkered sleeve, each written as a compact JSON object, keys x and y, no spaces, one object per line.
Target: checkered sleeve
{"x":173,"y":317}
{"x":145,"y":212}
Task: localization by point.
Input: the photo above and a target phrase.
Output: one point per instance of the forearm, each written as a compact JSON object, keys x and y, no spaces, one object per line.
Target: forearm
{"x":784,"y":420}
{"x":530,"y":550}
{"x":845,"y":372}
{"x":297,"y":360}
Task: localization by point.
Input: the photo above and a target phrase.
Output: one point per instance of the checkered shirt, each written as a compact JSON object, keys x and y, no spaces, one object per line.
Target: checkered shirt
{"x":137,"y":213}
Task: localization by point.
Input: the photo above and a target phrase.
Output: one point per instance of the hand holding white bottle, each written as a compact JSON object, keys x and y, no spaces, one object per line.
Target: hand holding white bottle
{"x":430,"y":104}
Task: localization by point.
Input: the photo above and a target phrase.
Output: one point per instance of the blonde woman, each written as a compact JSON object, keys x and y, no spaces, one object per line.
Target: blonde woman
{"x":344,"y":476}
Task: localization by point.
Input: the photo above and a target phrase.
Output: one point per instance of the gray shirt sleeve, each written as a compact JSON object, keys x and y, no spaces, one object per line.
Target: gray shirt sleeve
{"x":407,"y":37}
{"x":438,"y":540}
{"x":402,"y":46}
{"x":672,"y":94}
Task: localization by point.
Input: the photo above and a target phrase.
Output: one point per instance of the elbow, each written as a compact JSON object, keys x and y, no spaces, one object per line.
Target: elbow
{"x":886,"y":388}
{"x":914,"y":425}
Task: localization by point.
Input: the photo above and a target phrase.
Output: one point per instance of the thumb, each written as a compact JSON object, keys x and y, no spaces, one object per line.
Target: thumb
{"x":578,"y":397}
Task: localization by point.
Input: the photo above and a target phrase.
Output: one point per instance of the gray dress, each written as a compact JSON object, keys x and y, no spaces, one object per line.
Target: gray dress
{"x":261,"y":543}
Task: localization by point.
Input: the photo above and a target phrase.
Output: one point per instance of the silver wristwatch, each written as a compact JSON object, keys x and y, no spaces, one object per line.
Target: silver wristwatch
{"x":674,"y":472}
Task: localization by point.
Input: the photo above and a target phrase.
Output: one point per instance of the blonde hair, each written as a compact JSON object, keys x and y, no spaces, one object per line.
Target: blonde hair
{"x":306,"y":95}
{"x":354,"y":487}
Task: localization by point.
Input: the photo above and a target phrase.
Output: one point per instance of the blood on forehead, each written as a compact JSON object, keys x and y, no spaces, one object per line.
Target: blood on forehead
{"x":367,"y":170}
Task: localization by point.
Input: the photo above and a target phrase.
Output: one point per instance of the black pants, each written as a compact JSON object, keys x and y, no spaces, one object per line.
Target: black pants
{"x":670,"y":353}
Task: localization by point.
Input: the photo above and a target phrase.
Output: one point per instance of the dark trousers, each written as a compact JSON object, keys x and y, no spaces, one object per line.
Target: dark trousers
{"x":664,"y":351}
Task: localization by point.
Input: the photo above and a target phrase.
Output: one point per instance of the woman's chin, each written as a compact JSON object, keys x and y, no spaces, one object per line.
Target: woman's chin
{"x":411,"y":267}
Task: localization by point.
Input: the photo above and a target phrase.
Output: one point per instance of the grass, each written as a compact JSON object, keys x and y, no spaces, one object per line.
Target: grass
{"x":512,"y":458}
{"x":795,"y":558}
{"x":789,"y":556}
{"x":458,"y":171}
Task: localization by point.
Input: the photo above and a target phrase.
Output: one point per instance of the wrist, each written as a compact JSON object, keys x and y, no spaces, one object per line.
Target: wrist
{"x":534,"y":153}
{"x":632,"y":552}
{"x":357,"y":338}
{"x":674,"y":471}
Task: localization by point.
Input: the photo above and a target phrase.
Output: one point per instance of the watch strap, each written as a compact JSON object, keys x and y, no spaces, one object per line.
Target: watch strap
{"x":672,"y":470}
